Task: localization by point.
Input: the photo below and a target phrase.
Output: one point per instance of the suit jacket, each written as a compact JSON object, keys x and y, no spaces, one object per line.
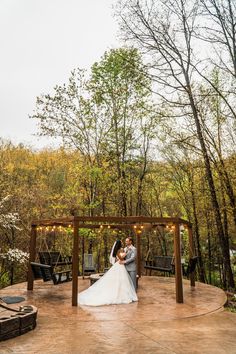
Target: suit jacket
{"x":130,"y":259}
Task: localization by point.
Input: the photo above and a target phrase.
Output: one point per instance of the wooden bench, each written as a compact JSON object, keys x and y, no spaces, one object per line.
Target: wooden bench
{"x":45,"y":272}
{"x":94,"y":277}
{"x":160,"y":263}
{"x":54,"y":258}
{"x":89,"y":265}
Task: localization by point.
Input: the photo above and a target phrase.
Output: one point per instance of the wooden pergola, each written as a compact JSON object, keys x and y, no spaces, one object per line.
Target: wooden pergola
{"x":136,"y":223}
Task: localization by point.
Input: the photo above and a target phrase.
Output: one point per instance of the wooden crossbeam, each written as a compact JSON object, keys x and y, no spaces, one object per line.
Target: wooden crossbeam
{"x":65,"y":221}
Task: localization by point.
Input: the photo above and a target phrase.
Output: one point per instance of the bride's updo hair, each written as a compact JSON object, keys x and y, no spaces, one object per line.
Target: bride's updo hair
{"x":121,"y":254}
{"x":118,"y":245}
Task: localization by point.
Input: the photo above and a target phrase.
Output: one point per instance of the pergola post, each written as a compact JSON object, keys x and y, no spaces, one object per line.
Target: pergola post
{"x":75,"y":263}
{"x":178,"y":266}
{"x":191,"y":253}
{"x":83,"y":250}
{"x":32,"y":254}
{"x":138,"y":254}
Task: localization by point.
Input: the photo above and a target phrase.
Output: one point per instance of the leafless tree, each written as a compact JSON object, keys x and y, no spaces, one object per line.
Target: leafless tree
{"x":165,"y":32}
{"x":221,"y":32}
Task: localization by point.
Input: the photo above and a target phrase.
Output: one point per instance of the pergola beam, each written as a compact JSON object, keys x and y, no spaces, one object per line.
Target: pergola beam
{"x":110,"y":219}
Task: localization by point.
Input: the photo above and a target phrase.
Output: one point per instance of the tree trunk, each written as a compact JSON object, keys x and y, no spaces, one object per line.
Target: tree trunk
{"x":224,"y":244}
{"x":201,"y":268}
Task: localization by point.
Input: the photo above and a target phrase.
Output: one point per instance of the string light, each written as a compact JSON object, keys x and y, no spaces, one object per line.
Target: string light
{"x":138,"y":228}
{"x":170,"y":227}
{"x":55,"y":227}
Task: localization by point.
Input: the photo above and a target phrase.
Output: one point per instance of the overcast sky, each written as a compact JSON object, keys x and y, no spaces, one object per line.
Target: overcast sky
{"x":41,"y":42}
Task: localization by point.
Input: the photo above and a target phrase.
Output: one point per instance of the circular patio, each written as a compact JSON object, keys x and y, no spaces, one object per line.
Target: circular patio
{"x":156,"y":301}
{"x":156,"y":324}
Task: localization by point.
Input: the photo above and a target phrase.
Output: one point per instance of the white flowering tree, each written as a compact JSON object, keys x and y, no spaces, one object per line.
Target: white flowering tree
{"x":8,"y":226}
{"x":8,"y":220}
{"x":14,"y":255}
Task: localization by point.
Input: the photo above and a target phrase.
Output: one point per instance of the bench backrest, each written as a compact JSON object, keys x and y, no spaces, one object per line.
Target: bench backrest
{"x":49,"y":257}
{"x":41,"y":271}
{"x":163,"y":261}
{"x":88,"y":261}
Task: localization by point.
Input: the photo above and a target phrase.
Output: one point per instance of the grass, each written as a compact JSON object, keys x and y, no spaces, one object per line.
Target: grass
{"x":231,"y":302}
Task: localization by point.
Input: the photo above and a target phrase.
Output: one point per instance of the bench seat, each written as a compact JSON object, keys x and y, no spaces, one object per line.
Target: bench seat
{"x":45,"y":272}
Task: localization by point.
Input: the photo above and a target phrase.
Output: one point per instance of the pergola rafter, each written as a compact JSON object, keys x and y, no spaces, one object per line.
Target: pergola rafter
{"x":136,"y":223}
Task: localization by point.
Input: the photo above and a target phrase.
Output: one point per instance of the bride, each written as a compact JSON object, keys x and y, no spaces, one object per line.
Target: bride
{"x":114,"y":287}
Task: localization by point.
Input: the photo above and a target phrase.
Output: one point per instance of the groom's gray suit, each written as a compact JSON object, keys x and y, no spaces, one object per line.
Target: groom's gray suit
{"x":130,"y":263}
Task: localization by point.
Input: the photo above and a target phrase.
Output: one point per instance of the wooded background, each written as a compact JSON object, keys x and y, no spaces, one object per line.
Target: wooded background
{"x":149,"y":130}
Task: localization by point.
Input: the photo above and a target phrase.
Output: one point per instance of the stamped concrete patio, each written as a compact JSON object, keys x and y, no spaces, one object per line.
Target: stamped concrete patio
{"x":156,"y":324}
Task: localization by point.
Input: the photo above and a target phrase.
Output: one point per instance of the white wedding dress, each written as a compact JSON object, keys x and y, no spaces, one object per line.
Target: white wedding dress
{"x":114,"y":287}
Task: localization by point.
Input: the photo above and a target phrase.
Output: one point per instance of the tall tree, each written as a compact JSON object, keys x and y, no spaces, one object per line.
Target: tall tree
{"x":121,"y":88}
{"x":165,"y":29}
{"x":221,"y":32}
{"x":107,"y":114}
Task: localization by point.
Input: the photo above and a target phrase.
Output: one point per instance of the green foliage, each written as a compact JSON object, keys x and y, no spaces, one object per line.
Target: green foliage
{"x":88,"y":234}
{"x":108,"y":123}
{"x":4,"y":280}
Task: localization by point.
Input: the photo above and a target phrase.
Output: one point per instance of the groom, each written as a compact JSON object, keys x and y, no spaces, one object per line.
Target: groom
{"x":130,"y":260}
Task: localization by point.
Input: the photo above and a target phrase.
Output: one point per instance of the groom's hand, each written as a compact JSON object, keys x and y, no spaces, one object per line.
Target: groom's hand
{"x":121,"y":262}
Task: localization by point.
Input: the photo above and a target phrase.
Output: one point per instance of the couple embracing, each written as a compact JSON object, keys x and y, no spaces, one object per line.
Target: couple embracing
{"x":118,"y":284}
